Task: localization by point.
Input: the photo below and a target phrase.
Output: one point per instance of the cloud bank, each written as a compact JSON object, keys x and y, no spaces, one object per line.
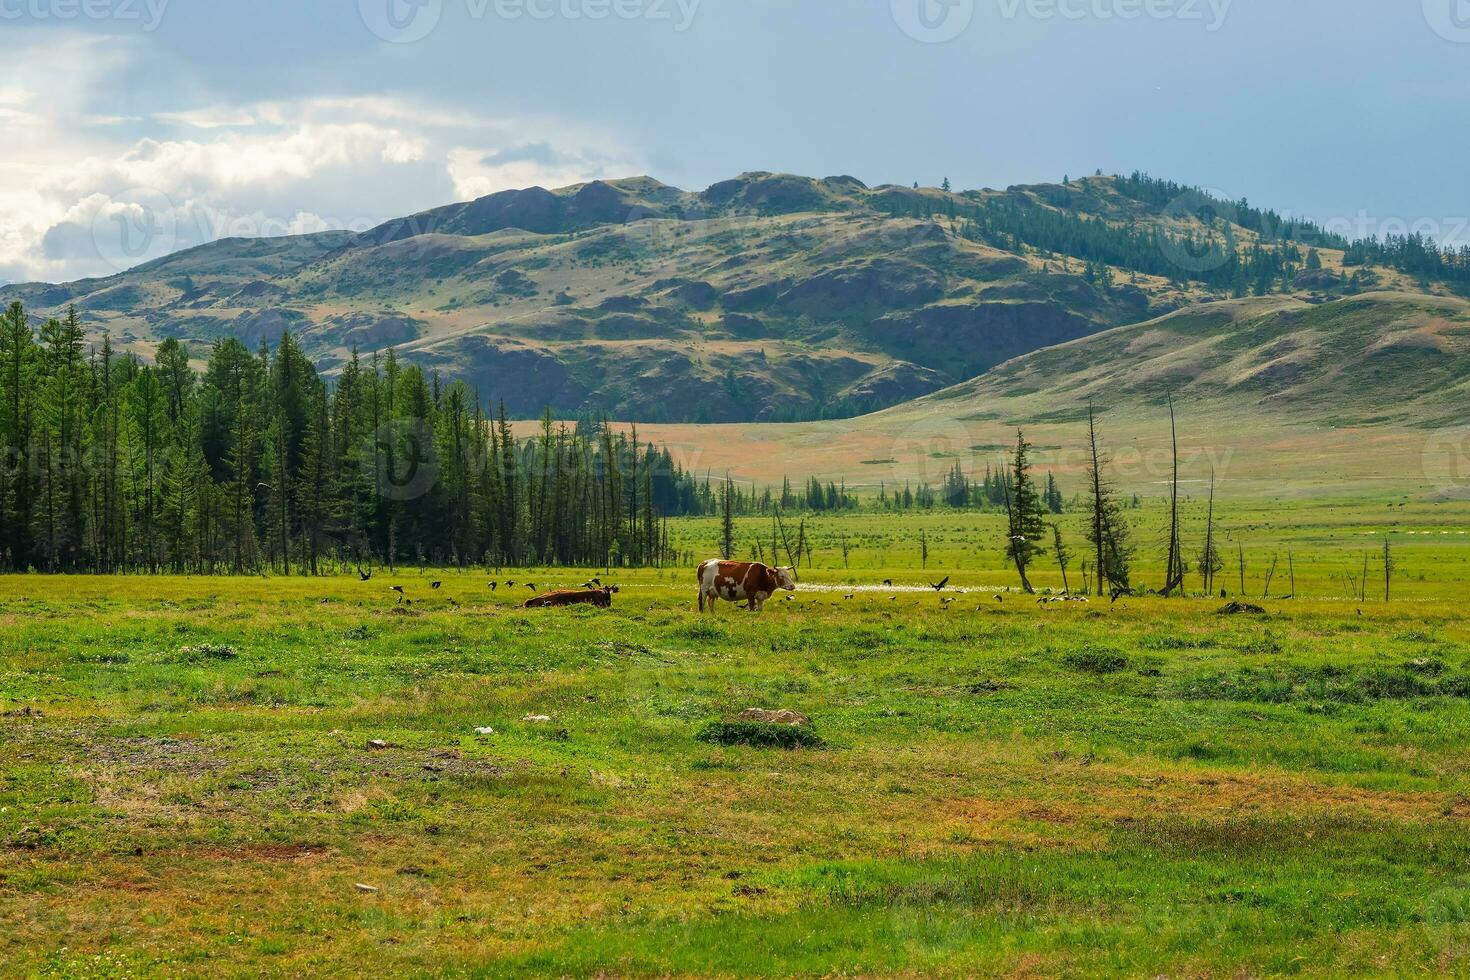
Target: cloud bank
{"x":93,"y":191}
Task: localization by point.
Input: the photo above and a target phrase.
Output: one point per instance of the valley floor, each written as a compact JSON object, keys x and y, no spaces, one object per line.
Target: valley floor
{"x":282,"y":776}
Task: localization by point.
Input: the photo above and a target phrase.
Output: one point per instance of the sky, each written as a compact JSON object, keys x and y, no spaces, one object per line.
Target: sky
{"x":135,"y":127}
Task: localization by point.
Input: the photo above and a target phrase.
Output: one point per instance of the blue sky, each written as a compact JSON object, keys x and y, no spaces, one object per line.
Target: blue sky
{"x":269,"y":116}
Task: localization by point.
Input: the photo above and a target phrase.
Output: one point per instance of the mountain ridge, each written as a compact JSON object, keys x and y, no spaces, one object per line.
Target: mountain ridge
{"x":767,"y":297}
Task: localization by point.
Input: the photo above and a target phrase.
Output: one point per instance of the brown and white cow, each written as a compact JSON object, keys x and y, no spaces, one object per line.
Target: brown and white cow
{"x":601,"y":598}
{"x":749,"y":582}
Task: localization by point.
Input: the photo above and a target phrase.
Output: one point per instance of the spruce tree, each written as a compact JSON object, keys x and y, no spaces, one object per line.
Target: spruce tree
{"x":1026,"y":527}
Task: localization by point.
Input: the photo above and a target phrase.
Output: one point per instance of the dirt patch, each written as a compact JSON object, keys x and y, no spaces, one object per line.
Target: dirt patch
{"x":258,"y":852}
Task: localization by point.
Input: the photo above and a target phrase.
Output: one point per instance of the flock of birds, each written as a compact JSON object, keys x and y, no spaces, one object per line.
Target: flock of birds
{"x":366,"y":575}
{"x":596,"y":583}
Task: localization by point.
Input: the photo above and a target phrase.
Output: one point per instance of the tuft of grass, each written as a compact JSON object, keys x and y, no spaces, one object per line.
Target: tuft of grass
{"x":1096,"y":660}
{"x":761,"y":735}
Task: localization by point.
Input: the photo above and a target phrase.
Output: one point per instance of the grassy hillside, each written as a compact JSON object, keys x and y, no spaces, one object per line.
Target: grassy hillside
{"x":769,"y":297}
{"x":1363,"y":395}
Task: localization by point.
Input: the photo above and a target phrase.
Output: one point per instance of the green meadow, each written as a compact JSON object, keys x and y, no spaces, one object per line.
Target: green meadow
{"x":268,"y":776}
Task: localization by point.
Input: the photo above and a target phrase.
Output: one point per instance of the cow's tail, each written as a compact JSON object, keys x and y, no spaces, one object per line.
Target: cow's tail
{"x":699,"y":573}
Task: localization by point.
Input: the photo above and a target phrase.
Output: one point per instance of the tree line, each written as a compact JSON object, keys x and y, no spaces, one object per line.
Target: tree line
{"x":112,"y":464}
{"x":1282,"y":249}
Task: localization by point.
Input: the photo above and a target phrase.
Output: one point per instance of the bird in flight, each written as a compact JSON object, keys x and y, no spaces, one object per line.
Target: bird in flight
{"x":364,"y":576}
{"x":494,"y":586}
{"x":940,"y":586}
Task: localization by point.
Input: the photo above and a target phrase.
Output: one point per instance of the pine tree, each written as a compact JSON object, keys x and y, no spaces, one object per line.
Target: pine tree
{"x":1107,"y":532}
{"x":1026,"y":525}
{"x":727,"y":519}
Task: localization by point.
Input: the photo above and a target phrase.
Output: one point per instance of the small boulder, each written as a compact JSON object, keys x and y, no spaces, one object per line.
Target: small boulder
{"x":1242,"y":608}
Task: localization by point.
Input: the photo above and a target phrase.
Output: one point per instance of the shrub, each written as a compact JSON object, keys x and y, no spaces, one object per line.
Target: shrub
{"x":760,"y":735}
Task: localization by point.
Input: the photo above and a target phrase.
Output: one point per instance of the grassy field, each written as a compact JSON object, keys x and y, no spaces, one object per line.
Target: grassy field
{"x":199,"y":776}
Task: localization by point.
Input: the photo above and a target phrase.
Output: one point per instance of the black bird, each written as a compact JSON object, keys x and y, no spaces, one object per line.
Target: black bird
{"x":849,"y":596}
{"x":398,"y":589}
{"x":942,"y":583}
{"x":596,"y":581}
{"x":364,"y":576}
{"x":888,"y":583}
{"x":435,"y":585}
{"x":531,"y":586}
{"x":494,"y":586}
{"x":509,"y":584}
{"x":999,"y":598}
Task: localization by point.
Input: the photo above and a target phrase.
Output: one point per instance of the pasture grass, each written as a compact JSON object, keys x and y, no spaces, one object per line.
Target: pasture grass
{"x":196,"y":776}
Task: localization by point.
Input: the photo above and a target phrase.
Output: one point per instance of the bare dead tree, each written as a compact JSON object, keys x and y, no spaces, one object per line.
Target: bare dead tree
{"x":1174,"y":575}
{"x":1387,"y":568}
{"x":1064,"y":557}
{"x":1209,"y":559}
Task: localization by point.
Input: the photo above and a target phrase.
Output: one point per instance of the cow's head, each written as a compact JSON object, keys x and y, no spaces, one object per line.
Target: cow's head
{"x":785,"y":578}
{"x":603,"y":597}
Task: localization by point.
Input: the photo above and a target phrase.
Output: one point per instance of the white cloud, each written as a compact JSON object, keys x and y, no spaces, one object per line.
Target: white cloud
{"x":95,"y":191}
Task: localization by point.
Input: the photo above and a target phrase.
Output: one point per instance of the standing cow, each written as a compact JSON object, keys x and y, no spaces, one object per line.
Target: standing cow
{"x":749,"y":582}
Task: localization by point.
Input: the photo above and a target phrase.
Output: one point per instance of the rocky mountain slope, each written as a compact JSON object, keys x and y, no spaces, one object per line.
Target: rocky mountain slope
{"x":769,"y":297}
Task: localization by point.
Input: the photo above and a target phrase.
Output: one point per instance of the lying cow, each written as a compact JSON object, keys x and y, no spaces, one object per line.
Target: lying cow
{"x":601,"y":598}
{"x":749,"y":582}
